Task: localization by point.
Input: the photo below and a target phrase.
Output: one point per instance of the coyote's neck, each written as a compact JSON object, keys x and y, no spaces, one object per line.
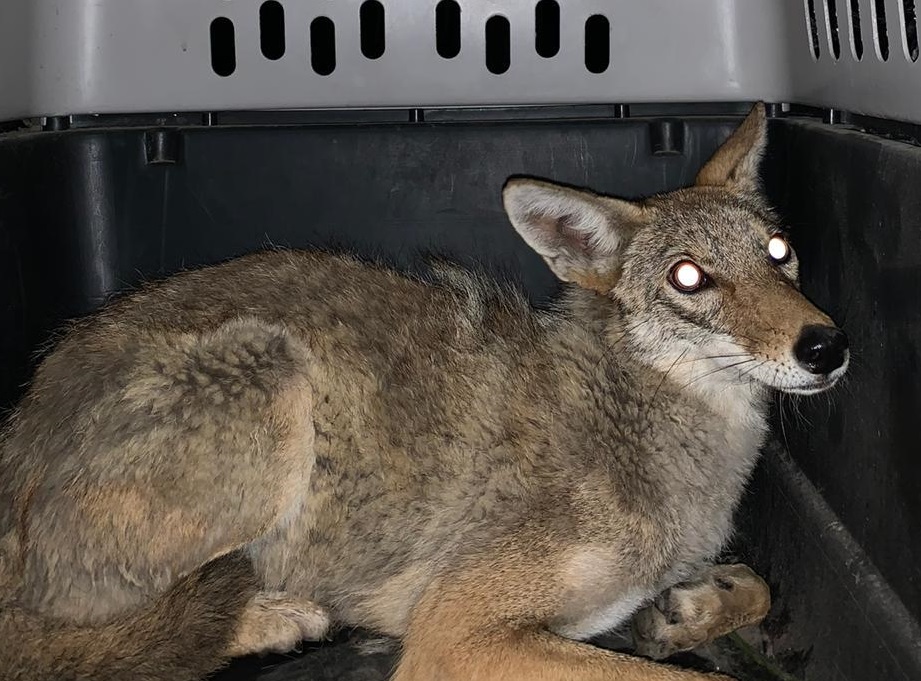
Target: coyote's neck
{"x":695,"y":443}
{"x":692,"y":400}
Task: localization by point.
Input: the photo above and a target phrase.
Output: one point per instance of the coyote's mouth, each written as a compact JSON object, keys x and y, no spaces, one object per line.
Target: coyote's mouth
{"x":816,"y":384}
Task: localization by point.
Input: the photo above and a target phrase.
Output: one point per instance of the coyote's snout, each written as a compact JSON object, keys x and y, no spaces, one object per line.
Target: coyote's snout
{"x":232,"y":460}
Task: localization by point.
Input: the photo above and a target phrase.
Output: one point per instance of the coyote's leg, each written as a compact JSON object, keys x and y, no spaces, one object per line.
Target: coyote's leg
{"x":487,"y":622}
{"x":206,"y":449}
{"x":275,"y":623}
{"x":721,"y":599}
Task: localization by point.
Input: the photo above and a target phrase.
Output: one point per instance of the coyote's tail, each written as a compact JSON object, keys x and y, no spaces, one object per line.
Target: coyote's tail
{"x":181,"y":636}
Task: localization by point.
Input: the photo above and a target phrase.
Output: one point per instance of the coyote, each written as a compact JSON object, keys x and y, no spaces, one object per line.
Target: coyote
{"x":243,"y":456}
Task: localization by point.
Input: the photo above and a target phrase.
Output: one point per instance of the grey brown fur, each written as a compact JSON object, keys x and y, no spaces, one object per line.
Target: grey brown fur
{"x":176,"y":636}
{"x":434,"y":460}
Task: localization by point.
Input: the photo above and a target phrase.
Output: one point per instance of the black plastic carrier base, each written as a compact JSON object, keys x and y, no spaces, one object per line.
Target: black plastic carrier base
{"x":93,"y":206}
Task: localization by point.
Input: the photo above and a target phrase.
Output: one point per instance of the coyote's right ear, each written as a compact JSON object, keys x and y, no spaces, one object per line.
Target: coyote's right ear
{"x":735,"y":164}
{"x":580,"y":235}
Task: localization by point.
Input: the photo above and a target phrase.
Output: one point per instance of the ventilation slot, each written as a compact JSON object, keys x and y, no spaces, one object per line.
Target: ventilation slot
{"x":498,"y":44}
{"x":447,"y":29}
{"x":831,"y":20}
{"x":223,"y":48}
{"x":911,"y":29}
{"x":856,"y":35}
{"x":812,"y":26}
{"x":882,"y":35}
{"x":272,"y":29}
{"x":371,"y":19}
{"x":323,"y":45}
{"x":547,"y":28}
{"x":597,"y":43}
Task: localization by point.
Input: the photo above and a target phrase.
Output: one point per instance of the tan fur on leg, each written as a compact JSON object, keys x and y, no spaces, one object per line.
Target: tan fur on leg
{"x":487,"y":623}
{"x":274,"y":623}
{"x":512,"y":655}
{"x":722,"y":599}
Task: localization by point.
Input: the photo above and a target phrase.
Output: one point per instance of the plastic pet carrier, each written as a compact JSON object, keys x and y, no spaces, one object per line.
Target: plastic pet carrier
{"x":141,"y":137}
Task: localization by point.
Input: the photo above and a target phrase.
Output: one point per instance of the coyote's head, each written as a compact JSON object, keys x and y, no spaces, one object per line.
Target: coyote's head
{"x":704,"y":277}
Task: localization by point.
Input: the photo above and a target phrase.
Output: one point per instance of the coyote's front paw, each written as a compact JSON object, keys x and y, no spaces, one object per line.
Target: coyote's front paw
{"x":275,"y":623}
{"x":722,"y":599}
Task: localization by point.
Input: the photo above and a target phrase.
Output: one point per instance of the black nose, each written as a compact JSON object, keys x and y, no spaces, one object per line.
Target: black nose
{"x":820,"y":349}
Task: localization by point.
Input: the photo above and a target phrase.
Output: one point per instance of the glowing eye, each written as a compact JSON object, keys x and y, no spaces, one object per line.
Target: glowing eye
{"x":779,"y":249}
{"x":687,"y":277}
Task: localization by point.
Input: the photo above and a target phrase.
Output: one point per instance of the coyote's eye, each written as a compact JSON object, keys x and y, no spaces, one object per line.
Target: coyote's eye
{"x":687,"y":277}
{"x":779,"y":249}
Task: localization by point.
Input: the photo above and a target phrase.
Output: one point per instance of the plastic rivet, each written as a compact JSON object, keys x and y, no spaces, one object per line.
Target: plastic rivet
{"x":162,"y":146}
{"x":666,"y":138}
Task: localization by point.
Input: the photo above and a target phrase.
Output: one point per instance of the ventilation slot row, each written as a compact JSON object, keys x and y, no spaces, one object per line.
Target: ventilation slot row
{"x":372,"y":38}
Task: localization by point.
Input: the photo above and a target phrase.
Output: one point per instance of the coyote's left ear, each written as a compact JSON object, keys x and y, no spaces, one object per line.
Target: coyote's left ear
{"x":735,"y":164}
{"x":579,"y":234}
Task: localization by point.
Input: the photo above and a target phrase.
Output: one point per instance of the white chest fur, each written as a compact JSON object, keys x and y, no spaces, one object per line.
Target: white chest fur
{"x":606,"y":617}
{"x":598,"y":594}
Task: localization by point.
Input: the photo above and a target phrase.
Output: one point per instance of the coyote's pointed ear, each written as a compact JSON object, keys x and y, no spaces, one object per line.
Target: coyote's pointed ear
{"x":735,"y":164}
{"x":579,"y":234}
